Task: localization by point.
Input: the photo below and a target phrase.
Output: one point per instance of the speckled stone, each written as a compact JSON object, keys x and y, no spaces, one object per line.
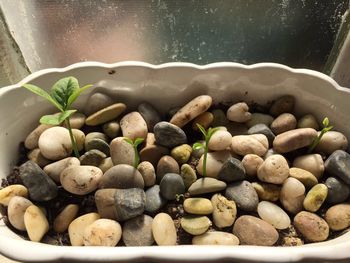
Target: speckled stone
{"x":138,"y":231}
{"x":169,"y":135}
{"x":244,"y":195}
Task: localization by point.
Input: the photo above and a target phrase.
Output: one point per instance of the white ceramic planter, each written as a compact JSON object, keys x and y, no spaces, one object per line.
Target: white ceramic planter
{"x":166,"y":86}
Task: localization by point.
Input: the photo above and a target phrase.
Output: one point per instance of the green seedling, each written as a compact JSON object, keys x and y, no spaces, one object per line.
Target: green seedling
{"x":326,"y":128}
{"x":134,"y":144}
{"x":197,"y":146}
{"x":62,"y":95}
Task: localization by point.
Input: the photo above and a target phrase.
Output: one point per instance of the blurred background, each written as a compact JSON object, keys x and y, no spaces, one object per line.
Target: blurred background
{"x":55,"y":33}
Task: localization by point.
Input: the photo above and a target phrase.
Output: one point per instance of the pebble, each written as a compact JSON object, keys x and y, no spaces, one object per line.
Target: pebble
{"x":98,"y":144}
{"x":206,"y":185}
{"x":138,"y":231}
{"x":244,"y":195}
{"x":219,"y":118}
{"x":55,"y":143}
{"x":315,"y":197}
{"x":15,"y":211}
{"x":259,"y":118}
{"x":332,"y":141}
{"x":133,"y":126}
{"x":250,"y":144}
{"x":273,"y":215}
{"x":216,"y":238}
{"x":284,"y":122}
{"x":77,"y":120}
{"x":338,"y":165}
{"x":65,"y":217}
{"x":167,"y":164}
{"x":195,"y":225}
{"x":171,"y":185}
{"x":307,"y":178}
{"x":10,"y":191}
{"x":36,"y":223}
{"x":106,"y":164}
{"x":149,"y":114}
{"x":292,"y":195}
{"x":95,"y":135}
{"x":102,"y":232}
{"x":262,"y":128}
{"x":129,"y":203}
{"x":205,"y":119}
{"x":122,"y":176}
{"x":291,"y":241}
{"x":283,"y":104}
{"x":308,"y":121}
{"x":163,"y":230}
{"x":311,"y":226}
{"x":31,"y":142}
{"x":148,"y":173}
{"x":267,"y":192}
{"x":106,"y":114}
{"x":37,"y":157}
{"x":54,"y":169}
{"x":191,"y":110}
{"x":310,"y":162}
{"x":77,"y":227}
{"x":239,"y":112}
{"x":169,"y":135}
{"x":96,"y":102}
{"x":215,"y":160}
{"x":338,"y":191}
{"x":251,"y":163}
{"x":220,"y":140}
{"x":93,"y":158}
{"x":79,"y":137}
{"x":294,"y":139}
{"x":105,"y":203}
{"x":338,"y":217}
{"x":274,"y":169}
{"x":224,"y":211}
{"x":188,"y":175}
{"x":154,"y":200}
{"x":181,"y":153}
{"x":251,"y":230}
{"x":111,"y":129}
{"x":152,"y":152}
{"x":40,"y":186}
{"x":198,"y":206}
{"x":81,"y":180}
{"x":121,"y":151}
{"x":232,"y":170}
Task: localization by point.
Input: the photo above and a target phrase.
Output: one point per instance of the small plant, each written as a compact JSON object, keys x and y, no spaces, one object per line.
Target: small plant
{"x":178,"y":197}
{"x":134,"y":144}
{"x":62,"y":95}
{"x":326,"y":128}
{"x":196,"y":146}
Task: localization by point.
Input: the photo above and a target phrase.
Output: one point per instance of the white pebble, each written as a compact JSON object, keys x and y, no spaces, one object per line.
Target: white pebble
{"x":273,"y":214}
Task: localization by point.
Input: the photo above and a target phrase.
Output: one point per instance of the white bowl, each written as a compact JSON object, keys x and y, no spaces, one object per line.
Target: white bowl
{"x":166,"y":86}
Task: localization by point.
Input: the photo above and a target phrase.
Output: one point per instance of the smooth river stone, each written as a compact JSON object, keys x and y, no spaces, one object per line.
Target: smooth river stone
{"x":205,"y":119}
{"x":106,"y":164}
{"x":338,"y":217}
{"x":338,"y":191}
{"x":122,"y":152}
{"x":167,"y":164}
{"x":133,"y":126}
{"x":315,"y":197}
{"x":55,"y":143}
{"x":262,"y":128}
{"x":225,"y":211}
{"x":338,"y":165}
{"x":148,"y":173}
{"x":307,"y":178}
{"x":267,"y":192}
{"x":171,"y":185}
{"x":258,"y":118}
{"x":216,"y":238}
{"x":36,"y":223}
{"x":102,"y":232}
{"x":40,"y":186}
{"x":37,"y":157}
{"x":294,"y":139}
{"x":239,"y":112}
{"x":152,"y":152}
{"x":253,"y":231}
{"x":77,"y":120}
{"x":154,"y":200}
{"x":129,"y":203}
{"x":122,"y":176}
{"x":54,"y":169}
{"x":310,"y":162}
{"x":105,"y":203}
{"x":96,"y":102}
{"x":31,"y":142}
{"x":191,"y":110}
{"x":93,"y":158}
{"x":206,"y":185}
{"x":81,"y":180}
{"x":15,"y":211}
{"x":163,"y":230}
{"x":195,"y":225}
{"x":149,"y":114}
{"x":106,"y":114}
{"x":251,"y":163}
{"x":232,"y":170}
{"x":284,"y":122}
{"x":282,"y":104}
{"x":311,"y":226}
{"x":65,"y":217}
{"x":10,"y":191}
{"x":77,"y":227}
{"x":215,"y":161}
{"x":332,"y":141}
{"x":181,"y":153}
{"x":244,"y":195}
{"x":169,"y":135}
{"x":308,"y":121}
{"x":274,"y":169}
{"x":95,"y":135}
{"x":111,"y":129}
{"x":138,"y":231}
{"x":98,"y":144}
{"x":292,"y":195}
{"x":250,"y":144}
{"x":188,"y":175}
{"x":273,"y":214}
{"x":220,"y":140}
{"x":198,"y":206}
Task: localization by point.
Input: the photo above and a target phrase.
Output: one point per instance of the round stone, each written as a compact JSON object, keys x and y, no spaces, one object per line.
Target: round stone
{"x":294,"y":139}
{"x":97,"y":144}
{"x":215,"y":161}
{"x":225,"y":211}
{"x":93,"y":158}
{"x":262,"y":128}
{"x":111,"y":129}
{"x":147,"y":171}
{"x":195,"y":225}
{"x":133,"y":126}
{"x":106,"y":114}
{"x":311,"y":226}
{"x":54,"y":169}
{"x":138,"y":231}
{"x":292,"y":195}
{"x":232,"y":170}
{"x":102,"y":232}
{"x":149,"y":114}
{"x":338,"y":217}
{"x":36,"y":223}
{"x":239,"y":112}
{"x":220,"y":140}
{"x":244,"y":195}
{"x":154,"y":200}
{"x":96,"y":102}
{"x":283,"y":104}
{"x":284,"y":122}
{"x":181,"y":153}
{"x":274,"y":169}
{"x":198,"y":206}
{"x":205,"y":119}
{"x":310,"y":162}
{"x":171,"y":185}
{"x":121,"y":151}
{"x":169,"y":135}
{"x":308,"y":121}
{"x":77,"y":227}
{"x":273,"y":215}
{"x":15,"y":211}
{"x":338,"y":191}
{"x":338,"y":165}
{"x":163,"y":230}
{"x":315,"y":197}
{"x":122,"y":176}
{"x":332,"y":141}
{"x":307,"y":178}
{"x":65,"y":217}
{"x":55,"y":143}
{"x":267,"y":192}
{"x":251,"y":163}
{"x":10,"y":191}
{"x":167,"y":164}
{"x":216,"y":238}
{"x":188,"y":175}
{"x":250,"y":144}
{"x":206,"y":185}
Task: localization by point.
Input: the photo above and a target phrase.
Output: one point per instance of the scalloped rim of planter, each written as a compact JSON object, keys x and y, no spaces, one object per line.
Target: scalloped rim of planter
{"x":335,"y":249}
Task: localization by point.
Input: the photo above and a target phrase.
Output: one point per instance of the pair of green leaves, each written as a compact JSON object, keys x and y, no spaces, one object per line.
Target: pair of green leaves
{"x":62,"y":95}
{"x":326,"y":128}
{"x":207,"y":135}
{"x":135,"y":144}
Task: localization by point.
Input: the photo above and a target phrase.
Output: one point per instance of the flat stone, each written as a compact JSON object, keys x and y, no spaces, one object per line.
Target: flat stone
{"x":92,"y":157}
{"x":232,"y":170}
{"x":138,"y":231}
{"x":205,"y":119}
{"x":95,"y":135}
{"x":122,"y":176}
{"x":195,"y":225}
{"x":152,"y":152}
{"x":294,"y":139}
{"x":133,"y":126}
{"x":105,"y":203}
{"x":154,"y":200}
{"x":219,"y":118}
{"x":171,"y":185}
{"x":308,"y":121}
{"x":77,"y":120}
{"x":338,"y":191}
{"x":206,"y":185}
{"x":163,"y":230}
{"x":65,"y":217}
{"x":106,"y":114}
{"x":262,"y":128}
{"x":149,"y":114}
{"x":220,"y":140}
{"x":98,"y":144}
{"x":338,"y":165}
{"x":169,"y":135}
{"x":198,"y":206}
{"x":96,"y":102}
{"x":106,"y":164}
{"x":244,"y":195}
{"x":37,"y":157}
{"x":311,"y":226}
{"x":292,"y":195}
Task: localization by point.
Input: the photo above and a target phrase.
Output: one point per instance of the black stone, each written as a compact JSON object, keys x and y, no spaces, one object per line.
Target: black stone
{"x":169,"y":135}
{"x":232,"y":170}
{"x":338,"y":191}
{"x":338,"y":165}
{"x":262,"y":128}
{"x":154,"y":200}
{"x":149,"y":114}
{"x":171,"y":185}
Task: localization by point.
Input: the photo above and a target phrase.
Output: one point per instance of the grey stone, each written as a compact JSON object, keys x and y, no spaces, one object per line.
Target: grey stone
{"x":171,"y":185}
{"x":40,"y":186}
{"x":129,"y":203}
{"x":98,"y":144}
{"x":244,"y":194}
{"x":169,"y":135}
{"x":338,"y":164}
{"x":122,"y":176}
{"x":138,"y":231}
{"x":111,"y":129}
{"x":93,"y":157}
{"x":150,"y":114}
{"x":206,"y":185}
{"x":262,"y":128}
{"x":96,"y":102}
{"x":232,"y":170}
{"x":154,"y":200}
{"x":338,"y":191}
